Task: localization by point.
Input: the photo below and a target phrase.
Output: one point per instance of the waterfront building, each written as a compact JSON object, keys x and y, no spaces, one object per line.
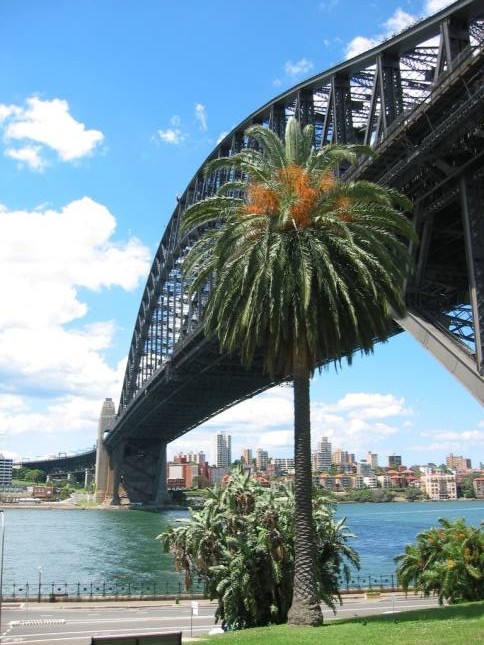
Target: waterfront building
{"x":261,"y":459}
{"x":478,"y":485}
{"x":385,"y":481}
{"x":439,"y":486}
{"x":335,"y":482}
{"x":44,"y":493}
{"x":223,"y":450}
{"x":358,"y":481}
{"x":6,"y":467}
{"x":458,"y":463}
{"x":370,"y":481}
{"x":182,"y":475}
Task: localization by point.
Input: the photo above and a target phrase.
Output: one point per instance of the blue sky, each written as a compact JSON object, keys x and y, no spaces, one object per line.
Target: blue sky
{"x":107,"y":109}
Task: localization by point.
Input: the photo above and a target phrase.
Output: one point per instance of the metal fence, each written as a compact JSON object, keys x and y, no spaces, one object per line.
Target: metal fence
{"x":96,"y":590}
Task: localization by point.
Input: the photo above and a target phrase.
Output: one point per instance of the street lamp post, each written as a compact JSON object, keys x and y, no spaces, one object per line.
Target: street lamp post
{"x":2,"y":548}
{"x":40,"y":585}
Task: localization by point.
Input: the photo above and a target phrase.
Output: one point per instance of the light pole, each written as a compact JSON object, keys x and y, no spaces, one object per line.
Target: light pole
{"x":2,"y":548}
{"x":40,"y":584}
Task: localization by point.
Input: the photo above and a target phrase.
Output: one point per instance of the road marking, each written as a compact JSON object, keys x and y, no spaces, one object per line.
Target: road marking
{"x":33,"y":622}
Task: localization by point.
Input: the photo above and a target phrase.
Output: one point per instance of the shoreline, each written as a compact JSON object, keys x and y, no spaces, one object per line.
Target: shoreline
{"x":61,"y":506}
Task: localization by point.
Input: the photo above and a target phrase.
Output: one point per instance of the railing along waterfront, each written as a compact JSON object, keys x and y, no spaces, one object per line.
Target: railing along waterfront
{"x":135,"y":589}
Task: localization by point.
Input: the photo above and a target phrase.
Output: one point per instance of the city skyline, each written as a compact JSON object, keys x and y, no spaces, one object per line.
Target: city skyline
{"x":105,"y":115}
{"x":324,"y":451}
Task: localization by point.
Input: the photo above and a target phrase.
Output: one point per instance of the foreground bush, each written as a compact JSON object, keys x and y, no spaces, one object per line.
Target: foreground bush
{"x":447,"y":560}
{"x":241,"y":544}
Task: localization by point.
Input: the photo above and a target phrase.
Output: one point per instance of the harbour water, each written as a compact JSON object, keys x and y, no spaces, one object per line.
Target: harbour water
{"x":80,"y":546}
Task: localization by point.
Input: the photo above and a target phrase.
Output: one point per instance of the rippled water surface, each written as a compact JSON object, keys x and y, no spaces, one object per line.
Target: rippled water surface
{"x":75,"y":545}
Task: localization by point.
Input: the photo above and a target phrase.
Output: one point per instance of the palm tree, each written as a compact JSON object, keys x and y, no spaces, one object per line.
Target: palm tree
{"x":307,"y":270}
{"x":445,"y":560}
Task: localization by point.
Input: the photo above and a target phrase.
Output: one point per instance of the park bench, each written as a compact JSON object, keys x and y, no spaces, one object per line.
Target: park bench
{"x":173,"y":638}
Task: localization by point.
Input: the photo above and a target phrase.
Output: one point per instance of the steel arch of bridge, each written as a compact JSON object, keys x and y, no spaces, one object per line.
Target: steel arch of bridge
{"x":418,"y":99}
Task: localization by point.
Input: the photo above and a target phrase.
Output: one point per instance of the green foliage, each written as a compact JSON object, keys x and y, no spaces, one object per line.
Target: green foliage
{"x":34,"y":475}
{"x":447,"y":560}
{"x":308,"y":268}
{"x":465,"y":488}
{"x":241,"y":544}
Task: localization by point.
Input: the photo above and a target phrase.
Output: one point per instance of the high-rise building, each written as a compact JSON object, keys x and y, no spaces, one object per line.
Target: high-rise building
{"x":394,"y":461}
{"x":363,"y":468}
{"x":6,"y":466}
{"x":223,"y":450}
{"x":458,"y":462}
{"x":323,"y":455}
{"x":261,"y":459}
{"x":246,"y":457}
{"x":372,"y":459}
{"x":340,"y":457}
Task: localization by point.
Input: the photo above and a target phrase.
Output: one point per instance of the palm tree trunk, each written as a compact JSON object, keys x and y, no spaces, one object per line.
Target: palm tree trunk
{"x":305,"y":608}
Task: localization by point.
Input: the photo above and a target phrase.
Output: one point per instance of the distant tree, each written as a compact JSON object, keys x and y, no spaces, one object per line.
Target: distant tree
{"x":465,"y":488}
{"x":412,"y":493}
{"x":447,"y":560}
{"x":241,"y":544}
{"x":381,"y":495}
{"x":34,"y":475}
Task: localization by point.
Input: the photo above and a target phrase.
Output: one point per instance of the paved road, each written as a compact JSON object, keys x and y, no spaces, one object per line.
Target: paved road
{"x":74,"y":623}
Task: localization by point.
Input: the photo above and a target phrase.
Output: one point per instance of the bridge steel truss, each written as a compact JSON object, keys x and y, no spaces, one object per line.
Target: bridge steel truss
{"x":418,"y":99}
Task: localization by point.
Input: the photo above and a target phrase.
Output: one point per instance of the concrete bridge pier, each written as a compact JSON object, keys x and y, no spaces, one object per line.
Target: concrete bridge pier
{"x":116,"y":475}
{"x":138,"y":472}
{"x":160,"y":490}
{"x":107,"y":421}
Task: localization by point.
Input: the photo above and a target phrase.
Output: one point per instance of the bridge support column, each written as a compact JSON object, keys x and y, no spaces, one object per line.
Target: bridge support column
{"x":472,"y":196}
{"x":116,"y":464}
{"x":106,"y":423}
{"x":160,"y":490}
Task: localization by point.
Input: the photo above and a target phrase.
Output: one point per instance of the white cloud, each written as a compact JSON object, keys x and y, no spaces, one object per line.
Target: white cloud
{"x":397,"y":22}
{"x":30,"y":156}
{"x":432,"y":6}
{"x":222,"y":136}
{"x":201,"y":116}
{"x":173,"y":136}
{"x":463,"y":442}
{"x":328,"y":6}
{"x":298,"y":68}
{"x":276,"y":439}
{"x":372,"y":406}
{"x":356,"y":422}
{"x":48,"y":256}
{"x":44,"y":126}
{"x":358,"y":45}
{"x":8,"y":110}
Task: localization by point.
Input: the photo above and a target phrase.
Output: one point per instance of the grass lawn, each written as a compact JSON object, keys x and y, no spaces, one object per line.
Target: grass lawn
{"x":456,"y":625}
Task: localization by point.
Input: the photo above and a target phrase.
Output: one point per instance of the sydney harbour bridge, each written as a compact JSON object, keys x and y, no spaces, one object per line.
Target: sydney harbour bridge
{"x":418,"y":100}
